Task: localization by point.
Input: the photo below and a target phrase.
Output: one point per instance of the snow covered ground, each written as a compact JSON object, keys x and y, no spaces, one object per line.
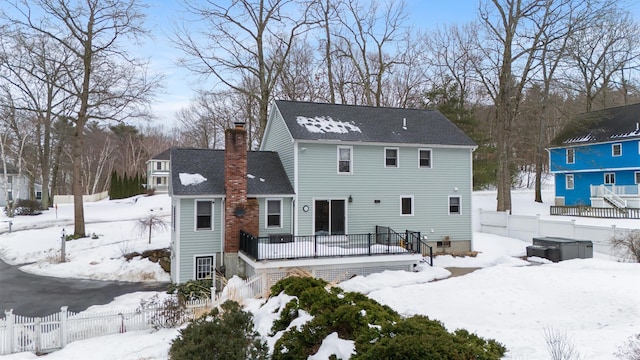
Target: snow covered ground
{"x":595,"y":302}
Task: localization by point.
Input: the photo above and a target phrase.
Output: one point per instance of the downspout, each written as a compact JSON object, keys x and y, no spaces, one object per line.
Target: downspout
{"x":222,"y":233}
{"x":293,"y":215}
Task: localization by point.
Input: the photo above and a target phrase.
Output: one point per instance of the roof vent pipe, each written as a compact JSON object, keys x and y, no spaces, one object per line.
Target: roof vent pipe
{"x":637,"y":127}
{"x":404,"y":123}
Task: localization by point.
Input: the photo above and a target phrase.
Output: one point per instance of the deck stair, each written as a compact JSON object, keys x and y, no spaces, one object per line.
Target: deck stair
{"x":613,"y":199}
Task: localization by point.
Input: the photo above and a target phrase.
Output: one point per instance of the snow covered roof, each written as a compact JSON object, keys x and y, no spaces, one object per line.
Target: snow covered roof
{"x":321,"y":121}
{"x":201,"y":172}
{"x":612,"y":124}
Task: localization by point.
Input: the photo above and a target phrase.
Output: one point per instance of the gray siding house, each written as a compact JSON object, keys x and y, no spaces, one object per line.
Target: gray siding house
{"x":326,"y":179}
{"x":355,"y":167}
{"x":16,"y":186}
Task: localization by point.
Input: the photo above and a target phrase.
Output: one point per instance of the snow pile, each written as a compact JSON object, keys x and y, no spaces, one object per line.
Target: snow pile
{"x":325,"y":124}
{"x":191,"y":179}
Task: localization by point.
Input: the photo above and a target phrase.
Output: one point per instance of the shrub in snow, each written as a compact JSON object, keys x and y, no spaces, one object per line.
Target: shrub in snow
{"x":226,"y":335}
{"x":631,"y":349}
{"x":377,"y":330}
{"x":170,"y":312}
{"x":628,"y":245}
{"x":559,"y":345}
{"x":27,"y":207}
{"x":191,"y":290}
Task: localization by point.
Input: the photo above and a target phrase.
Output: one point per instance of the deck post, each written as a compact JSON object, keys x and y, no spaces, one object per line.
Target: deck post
{"x":369,"y":242}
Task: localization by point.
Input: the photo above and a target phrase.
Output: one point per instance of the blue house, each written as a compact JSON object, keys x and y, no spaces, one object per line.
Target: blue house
{"x":335,"y":189}
{"x":596,"y":159}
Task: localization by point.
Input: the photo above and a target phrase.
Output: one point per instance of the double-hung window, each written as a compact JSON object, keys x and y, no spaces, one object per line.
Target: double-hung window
{"x":610,"y":178}
{"x":406,"y":206}
{"x":274,"y":213}
{"x":345,"y":160}
{"x":454,"y":205}
{"x":424,"y":158}
{"x":616,"y":149}
{"x":571,"y":155}
{"x":158,"y":165}
{"x":204,"y":215}
{"x":204,"y":267}
{"x":391,"y":157}
{"x":569,"y":181}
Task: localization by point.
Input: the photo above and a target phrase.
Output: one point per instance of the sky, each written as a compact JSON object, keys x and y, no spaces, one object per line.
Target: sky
{"x":162,"y":16}
{"x":595,"y":302}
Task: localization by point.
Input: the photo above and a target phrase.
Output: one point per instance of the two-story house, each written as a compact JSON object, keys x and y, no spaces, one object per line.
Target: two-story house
{"x":158,"y":172}
{"x":329,"y":184}
{"x":596,"y":159}
{"x":15,"y":186}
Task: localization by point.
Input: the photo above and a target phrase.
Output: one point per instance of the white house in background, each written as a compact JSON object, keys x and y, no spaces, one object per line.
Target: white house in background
{"x":15,"y":186}
{"x":158,"y":172}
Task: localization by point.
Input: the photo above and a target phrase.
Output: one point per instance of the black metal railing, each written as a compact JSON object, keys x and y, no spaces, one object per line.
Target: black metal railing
{"x":285,"y":246}
{"x":596,"y":212}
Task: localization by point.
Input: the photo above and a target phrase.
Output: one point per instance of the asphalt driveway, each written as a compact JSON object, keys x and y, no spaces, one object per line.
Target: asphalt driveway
{"x":31,"y":295}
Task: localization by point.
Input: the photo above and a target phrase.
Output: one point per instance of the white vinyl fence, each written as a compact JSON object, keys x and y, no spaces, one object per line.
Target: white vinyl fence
{"x":526,"y":227}
{"x":68,"y":199}
{"x":53,"y":332}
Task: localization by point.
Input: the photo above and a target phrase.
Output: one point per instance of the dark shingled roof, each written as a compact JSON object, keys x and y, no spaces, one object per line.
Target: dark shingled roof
{"x":613,"y":124}
{"x":163,"y":155}
{"x":375,"y":124}
{"x":209,"y":163}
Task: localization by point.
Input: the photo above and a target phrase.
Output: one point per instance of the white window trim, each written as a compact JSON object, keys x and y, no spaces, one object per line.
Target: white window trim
{"x":613,"y":146}
{"x":266,"y":213}
{"x":635,"y":177}
{"x":413,"y":205}
{"x":459,"y":205}
{"x":195,"y":214}
{"x":566,"y":181}
{"x":384,"y":154}
{"x":573,"y":158}
{"x":430,"y":159}
{"x":350,"y":160}
{"x":195,"y":264}
{"x":605,"y":178}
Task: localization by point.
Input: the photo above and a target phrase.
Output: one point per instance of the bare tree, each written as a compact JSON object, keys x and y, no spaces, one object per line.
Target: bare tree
{"x":243,"y":39}
{"x":33,"y":69}
{"x":600,"y":51}
{"x":107,"y":83}
{"x":514,"y":31}
{"x":202,"y":124}
{"x":370,"y":39}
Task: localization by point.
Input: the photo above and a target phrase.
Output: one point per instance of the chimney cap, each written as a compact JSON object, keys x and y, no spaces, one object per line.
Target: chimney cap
{"x":239,"y":124}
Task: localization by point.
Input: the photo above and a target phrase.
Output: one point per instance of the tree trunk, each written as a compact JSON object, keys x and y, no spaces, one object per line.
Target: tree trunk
{"x":76,"y":184}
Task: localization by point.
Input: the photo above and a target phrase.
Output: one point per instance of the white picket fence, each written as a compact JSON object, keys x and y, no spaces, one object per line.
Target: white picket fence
{"x":526,"y":227}
{"x":54,"y":332}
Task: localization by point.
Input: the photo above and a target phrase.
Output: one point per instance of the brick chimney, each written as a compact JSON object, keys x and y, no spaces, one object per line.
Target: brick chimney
{"x":240,"y":213}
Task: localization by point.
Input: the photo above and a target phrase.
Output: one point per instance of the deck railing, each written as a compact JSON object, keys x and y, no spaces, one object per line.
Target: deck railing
{"x":601,"y":190}
{"x":596,"y":212}
{"x":286,"y":246}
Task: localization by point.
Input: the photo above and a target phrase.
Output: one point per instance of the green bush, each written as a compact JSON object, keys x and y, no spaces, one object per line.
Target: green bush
{"x":226,"y":335}
{"x":378,"y":331}
{"x":191,"y":290}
